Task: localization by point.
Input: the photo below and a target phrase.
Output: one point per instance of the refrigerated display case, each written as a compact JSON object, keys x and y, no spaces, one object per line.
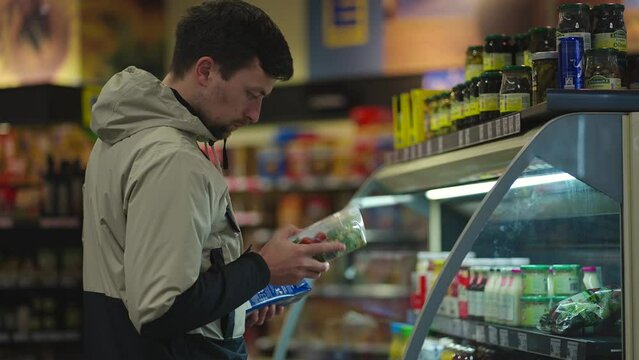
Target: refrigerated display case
{"x":554,"y":187}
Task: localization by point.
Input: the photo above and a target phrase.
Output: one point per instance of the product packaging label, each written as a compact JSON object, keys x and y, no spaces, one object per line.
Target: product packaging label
{"x":531,"y":313}
{"x":473,"y":70}
{"x":456,"y":112}
{"x":613,"y":40}
{"x":466,"y":108}
{"x":513,"y":102}
{"x":565,"y":284}
{"x":280,"y":295}
{"x":584,"y":35}
{"x":496,"y":61}
{"x":489,"y":102}
{"x":474,"y":106}
{"x":603,"y":83}
{"x":535,"y":284}
{"x":527,"y":58}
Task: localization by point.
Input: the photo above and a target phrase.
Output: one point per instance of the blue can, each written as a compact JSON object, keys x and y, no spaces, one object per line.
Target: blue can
{"x":571,"y":63}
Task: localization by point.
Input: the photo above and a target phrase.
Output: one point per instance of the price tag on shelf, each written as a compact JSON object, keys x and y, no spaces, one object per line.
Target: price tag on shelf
{"x":493,"y":338}
{"x":420,"y":150}
{"x":490,"y":130}
{"x":523,"y":341}
{"x":504,"y":124}
{"x":503,"y":338}
{"x":511,"y":124}
{"x":467,"y":330}
{"x":457,"y":327}
{"x":429,"y":148}
{"x":573,"y":351}
{"x":517,"y":122}
{"x":480,"y":334}
{"x":467,"y":136}
{"x":440,"y":144}
{"x":498,"y":127}
{"x":460,"y":138}
{"x":555,"y":348}
{"x":481,"y":132}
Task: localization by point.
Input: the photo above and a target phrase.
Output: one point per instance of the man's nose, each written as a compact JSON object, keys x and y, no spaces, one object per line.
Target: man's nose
{"x":253,"y":111}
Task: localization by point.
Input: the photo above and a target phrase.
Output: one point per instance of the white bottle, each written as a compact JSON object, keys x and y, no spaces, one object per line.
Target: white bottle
{"x":490,"y":296}
{"x":502,"y":291}
{"x":515,"y":291}
{"x":591,"y":277}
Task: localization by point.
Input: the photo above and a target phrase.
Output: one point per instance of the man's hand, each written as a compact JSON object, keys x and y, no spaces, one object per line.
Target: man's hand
{"x":258,"y":317}
{"x":289,"y":263}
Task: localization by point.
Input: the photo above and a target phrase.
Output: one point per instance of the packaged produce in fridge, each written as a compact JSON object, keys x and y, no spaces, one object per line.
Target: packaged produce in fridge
{"x":591,"y":311}
{"x":279,"y":295}
{"x":345,"y":226}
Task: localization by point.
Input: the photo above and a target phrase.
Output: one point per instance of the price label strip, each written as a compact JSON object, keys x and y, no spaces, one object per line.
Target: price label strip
{"x":503,"y":338}
{"x":555,"y":348}
{"x":523,"y":341}
{"x":493,"y":338}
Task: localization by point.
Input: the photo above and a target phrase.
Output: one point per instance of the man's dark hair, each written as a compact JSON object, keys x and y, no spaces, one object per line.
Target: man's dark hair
{"x":233,"y":33}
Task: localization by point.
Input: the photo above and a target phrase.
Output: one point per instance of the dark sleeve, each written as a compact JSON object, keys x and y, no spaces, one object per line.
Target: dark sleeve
{"x":213,"y":295}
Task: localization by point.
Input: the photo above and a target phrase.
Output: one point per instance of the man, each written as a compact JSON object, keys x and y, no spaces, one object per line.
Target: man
{"x":165,"y":275}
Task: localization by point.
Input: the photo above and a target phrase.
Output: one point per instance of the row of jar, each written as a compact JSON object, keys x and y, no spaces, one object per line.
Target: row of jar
{"x":506,"y":295}
{"x":601,"y":27}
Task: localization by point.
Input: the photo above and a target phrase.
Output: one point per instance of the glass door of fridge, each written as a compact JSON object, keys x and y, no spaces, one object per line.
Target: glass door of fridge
{"x":547,"y":277}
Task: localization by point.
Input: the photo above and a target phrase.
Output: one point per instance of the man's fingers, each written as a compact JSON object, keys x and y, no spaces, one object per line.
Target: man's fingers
{"x":323,"y":247}
{"x":279,"y":309}
{"x":312,"y":265}
{"x":251,"y":319}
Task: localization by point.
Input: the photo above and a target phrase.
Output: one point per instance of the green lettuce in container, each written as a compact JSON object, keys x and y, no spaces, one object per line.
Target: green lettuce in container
{"x":345,"y":226}
{"x":593,"y":311}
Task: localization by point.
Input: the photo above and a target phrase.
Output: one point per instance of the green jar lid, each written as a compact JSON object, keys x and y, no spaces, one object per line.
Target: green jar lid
{"x":520,"y":36}
{"x":516,"y":68}
{"x":558,"y":298}
{"x":468,"y":83}
{"x":566,"y":267}
{"x":475,"y":48}
{"x":497,"y":37}
{"x":458,"y":87}
{"x":576,"y":6}
{"x":608,"y":7}
{"x":535,"y":298}
{"x":406,"y":330}
{"x":541,"y":29}
{"x":474,"y":79}
{"x":607,"y":51}
{"x":535,"y":267}
{"x":493,"y":74}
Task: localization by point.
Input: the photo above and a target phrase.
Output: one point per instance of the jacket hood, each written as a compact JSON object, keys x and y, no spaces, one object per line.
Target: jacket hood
{"x":134,"y":100}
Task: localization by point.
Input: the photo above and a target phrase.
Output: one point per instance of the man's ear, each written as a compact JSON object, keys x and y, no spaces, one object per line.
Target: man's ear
{"x":206,"y":69}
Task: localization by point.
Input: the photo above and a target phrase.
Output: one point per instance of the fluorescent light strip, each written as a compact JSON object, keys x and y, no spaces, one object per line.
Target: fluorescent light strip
{"x":484,"y":187}
{"x":382,"y":200}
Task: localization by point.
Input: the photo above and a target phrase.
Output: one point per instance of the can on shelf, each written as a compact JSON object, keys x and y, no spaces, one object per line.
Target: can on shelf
{"x":571,"y":63}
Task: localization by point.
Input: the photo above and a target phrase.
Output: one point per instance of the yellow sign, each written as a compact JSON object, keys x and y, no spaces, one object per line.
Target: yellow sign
{"x":345,"y":22}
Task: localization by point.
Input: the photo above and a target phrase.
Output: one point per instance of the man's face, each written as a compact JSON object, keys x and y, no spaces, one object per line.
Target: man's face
{"x":227,"y":105}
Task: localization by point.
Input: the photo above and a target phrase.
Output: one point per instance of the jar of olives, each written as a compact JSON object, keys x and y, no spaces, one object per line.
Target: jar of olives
{"x":473,"y":107}
{"x":609,"y":28}
{"x":445,"y":122}
{"x":542,"y":38}
{"x":515,"y":91}
{"x":463,"y":123}
{"x":522,"y":52}
{"x":456,"y":105}
{"x":602,"y":70}
{"x":544,"y":74}
{"x":497,"y":52}
{"x":474,"y":61}
{"x":574,"y":21}
{"x":489,"y":85}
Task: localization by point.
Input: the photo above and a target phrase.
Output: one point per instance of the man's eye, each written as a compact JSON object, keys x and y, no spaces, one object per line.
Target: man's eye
{"x":251,"y":95}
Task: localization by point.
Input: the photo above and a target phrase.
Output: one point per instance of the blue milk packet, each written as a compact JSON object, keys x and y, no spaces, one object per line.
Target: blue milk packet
{"x":279,"y":295}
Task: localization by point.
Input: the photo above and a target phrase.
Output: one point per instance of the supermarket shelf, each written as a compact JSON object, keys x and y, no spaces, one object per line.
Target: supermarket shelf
{"x":370,"y":291}
{"x":529,"y":340}
{"x":316,"y":347}
{"x":66,"y":222}
{"x":28,"y":289}
{"x":392,"y":236}
{"x":255,"y":184}
{"x":36,"y":337}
